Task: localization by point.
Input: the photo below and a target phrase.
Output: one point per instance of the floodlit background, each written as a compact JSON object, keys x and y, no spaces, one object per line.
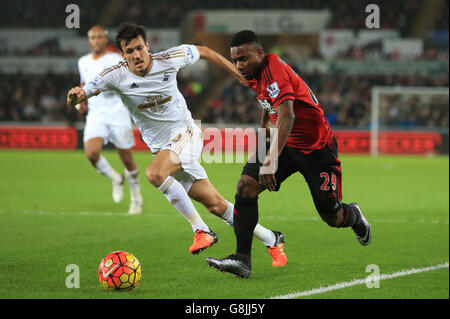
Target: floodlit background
{"x":326,"y":42}
{"x":384,"y":92}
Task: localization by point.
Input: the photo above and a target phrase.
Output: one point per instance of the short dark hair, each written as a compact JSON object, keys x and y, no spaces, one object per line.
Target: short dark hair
{"x":245,"y":37}
{"x":127,"y":32}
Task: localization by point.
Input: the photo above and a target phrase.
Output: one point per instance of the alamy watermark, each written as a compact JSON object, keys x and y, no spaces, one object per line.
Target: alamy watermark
{"x":373,"y":19}
{"x":224,"y":145}
{"x":73,"y":279}
{"x":73,"y":19}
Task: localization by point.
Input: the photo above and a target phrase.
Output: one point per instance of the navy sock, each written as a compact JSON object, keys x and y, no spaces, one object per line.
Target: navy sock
{"x":245,"y":220}
{"x":351,"y":216}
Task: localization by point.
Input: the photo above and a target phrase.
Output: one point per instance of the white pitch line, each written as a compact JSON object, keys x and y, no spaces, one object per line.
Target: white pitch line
{"x":283,"y":218}
{"x":361,"y":281}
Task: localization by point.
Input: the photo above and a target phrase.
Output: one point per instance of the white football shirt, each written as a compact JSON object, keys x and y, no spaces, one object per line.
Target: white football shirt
{"x":106,"y":104}
{"x":154,"y":101}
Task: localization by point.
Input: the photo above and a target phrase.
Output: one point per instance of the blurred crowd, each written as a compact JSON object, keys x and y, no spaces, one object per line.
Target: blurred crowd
{"x":345,"y":99}
{"x":42,"y":98}
{"x":169,"y":14}
{"x":414,"y":111}
{"x":48,"y":13}
{"x":346,"y":14}
{"x":27,"y":97}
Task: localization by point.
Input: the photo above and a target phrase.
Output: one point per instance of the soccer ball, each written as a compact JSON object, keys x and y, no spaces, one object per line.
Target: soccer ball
{"x":119,"y":270}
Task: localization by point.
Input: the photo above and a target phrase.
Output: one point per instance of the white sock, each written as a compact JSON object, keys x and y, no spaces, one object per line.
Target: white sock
{"x":105,"y":169}
{"x":265,"y":235}
{"x":133,"y":182}
{"x":228,"y":215}
{"x":177,"y":196}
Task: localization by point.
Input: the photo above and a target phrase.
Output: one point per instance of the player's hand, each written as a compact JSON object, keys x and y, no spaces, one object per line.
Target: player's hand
{"x":267,"y":175}
{"x":75,"y":96}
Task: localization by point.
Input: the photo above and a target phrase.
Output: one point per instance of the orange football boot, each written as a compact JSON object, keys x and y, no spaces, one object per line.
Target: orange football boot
{"x":202,"y":240}
{"x":279,"y":257}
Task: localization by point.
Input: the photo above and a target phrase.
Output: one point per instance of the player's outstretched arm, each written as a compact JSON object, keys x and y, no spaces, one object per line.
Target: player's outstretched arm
{"x":75,"y":96}
{"x":218,"y":59}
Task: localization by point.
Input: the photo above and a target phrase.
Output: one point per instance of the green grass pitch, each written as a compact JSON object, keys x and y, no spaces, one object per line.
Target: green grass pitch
{"x":56,"y":210}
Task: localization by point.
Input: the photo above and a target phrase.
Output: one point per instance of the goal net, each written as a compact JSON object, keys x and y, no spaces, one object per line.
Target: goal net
{"x":409,"y":120}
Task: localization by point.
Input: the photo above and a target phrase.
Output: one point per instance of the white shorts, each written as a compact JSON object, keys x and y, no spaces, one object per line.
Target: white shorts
{"x":120,"y":135}
{"x":187,"y":143}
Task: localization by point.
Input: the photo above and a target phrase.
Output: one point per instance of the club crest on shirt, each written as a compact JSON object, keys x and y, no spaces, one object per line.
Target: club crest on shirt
{"x":273,"y":90}
{"x":166,"y":77}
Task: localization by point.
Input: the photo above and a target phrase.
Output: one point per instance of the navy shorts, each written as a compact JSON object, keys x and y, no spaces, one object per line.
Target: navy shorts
{"x":320,"y":168}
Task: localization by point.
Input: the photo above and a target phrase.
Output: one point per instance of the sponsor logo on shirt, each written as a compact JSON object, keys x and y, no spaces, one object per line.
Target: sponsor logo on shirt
{"x":156,"y":103}
{"x":189,"y":53}
{"x":266,"y":106}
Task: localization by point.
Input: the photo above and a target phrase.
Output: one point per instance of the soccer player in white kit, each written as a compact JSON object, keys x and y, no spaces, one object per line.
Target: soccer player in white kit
{"x":147,"y":85}
{"x":108,"y":120}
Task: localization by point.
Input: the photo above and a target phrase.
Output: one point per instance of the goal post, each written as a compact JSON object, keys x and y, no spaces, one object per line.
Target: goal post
{"x":377,"y":94}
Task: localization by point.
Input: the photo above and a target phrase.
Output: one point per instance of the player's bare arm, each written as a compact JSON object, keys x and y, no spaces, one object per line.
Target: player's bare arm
{"x":265,"y":122}
{"x":285,"y":121}
{"x":216,"y":58}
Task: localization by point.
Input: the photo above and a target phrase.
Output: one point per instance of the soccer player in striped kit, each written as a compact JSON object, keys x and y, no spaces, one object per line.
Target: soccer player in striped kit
{"x":148,"y":87}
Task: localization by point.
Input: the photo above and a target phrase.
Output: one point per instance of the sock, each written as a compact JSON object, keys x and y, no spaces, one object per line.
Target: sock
{"x":105,"y":169}
{"x":177,"y":196}
{"x":228,"y":215}
{"x":245,"y":220}
{"x":351,"y":216}
{"x":133,"y":182}
{"x":265,"y":235}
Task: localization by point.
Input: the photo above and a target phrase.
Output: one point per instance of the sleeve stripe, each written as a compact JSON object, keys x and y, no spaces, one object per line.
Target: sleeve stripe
{"x":284,"y":95}
{"x":265,"y":76}
{"x":168,"y":57}
{"x":163,"y":54}
{"x":270,"y":74}
{"x":117,"y":66}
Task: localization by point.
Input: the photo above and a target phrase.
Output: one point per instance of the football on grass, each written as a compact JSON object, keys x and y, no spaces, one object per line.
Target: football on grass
{"x":119,"y":270}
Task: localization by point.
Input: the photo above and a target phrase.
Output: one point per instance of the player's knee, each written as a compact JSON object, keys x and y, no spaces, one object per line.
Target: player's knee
{"x":93,"y":157}
{"x":247,"y":187}
{"x":154,"y":177}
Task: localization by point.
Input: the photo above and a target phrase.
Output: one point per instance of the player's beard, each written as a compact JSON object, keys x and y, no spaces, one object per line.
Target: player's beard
{"x":141,"y":67}
{"x":258,"y":70}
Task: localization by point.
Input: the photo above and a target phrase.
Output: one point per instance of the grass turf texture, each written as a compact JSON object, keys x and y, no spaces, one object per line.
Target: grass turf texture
{"x":56,"y":210}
